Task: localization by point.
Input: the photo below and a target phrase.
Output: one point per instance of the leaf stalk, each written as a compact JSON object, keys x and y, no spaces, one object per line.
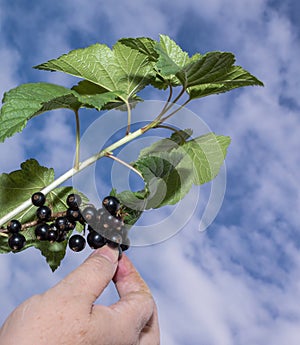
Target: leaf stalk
{"x":110,"y":155}
{"x":77,"y":158}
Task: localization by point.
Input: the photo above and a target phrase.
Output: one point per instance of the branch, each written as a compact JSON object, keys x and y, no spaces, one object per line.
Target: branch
{"x":73,"y":172}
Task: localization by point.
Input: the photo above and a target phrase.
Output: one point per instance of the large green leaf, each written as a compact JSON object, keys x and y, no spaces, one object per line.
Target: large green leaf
{"x":214,"y":73}
{"x":167,"y":57}
{"x":170,"y":167}
{"x":201,"y":75}
{"x":121,"y":69}
{"x":28,"y":100}
{"x":17,"y":187}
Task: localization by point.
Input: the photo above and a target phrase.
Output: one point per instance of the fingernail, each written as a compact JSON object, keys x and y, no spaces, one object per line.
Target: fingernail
{"x":107,"y":252}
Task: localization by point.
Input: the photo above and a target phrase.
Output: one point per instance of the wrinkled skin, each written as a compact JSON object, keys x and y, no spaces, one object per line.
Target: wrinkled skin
{"x":66,"y":314}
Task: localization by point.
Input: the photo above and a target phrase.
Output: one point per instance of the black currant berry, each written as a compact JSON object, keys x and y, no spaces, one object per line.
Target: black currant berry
{"x":74,"y":201}
{"x":111,"y":203}
{"x":115,"y":237}
{"x":100,"y":213}
{"x":16,"y":241}
{"x":61,"y":223}
{"x":14,"y":226}
{"x":41,"y":231}
{"x":107,"y":221}
{"x":118,"y":224}
{"x":77,"y":243}
{"x":115,"y":245}
{"x":38,"y":199}
{"x":73,"y":215}
{"x":71,"y":224}
{"x":95,"y":240}
{"x":43,"y":213}
{"x":89,"y":214}
{"x":52,"y":235}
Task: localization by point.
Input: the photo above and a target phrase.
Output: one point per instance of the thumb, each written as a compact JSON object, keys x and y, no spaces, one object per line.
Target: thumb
{"x":92,"y":276}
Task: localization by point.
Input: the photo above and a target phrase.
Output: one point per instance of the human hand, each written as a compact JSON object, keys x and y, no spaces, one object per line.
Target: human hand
{"x":66,"y":314}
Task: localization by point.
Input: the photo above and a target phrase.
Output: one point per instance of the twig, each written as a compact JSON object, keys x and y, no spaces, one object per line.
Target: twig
{"x":110,"y":155}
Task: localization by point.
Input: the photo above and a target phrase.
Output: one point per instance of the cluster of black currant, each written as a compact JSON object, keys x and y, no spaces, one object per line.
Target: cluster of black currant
{"x":104,"y":226}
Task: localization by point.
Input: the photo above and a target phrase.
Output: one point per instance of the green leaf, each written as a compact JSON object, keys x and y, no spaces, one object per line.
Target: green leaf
{"x":28,"y":100}
{"x":207,"y":154}
{"x":121,"y":69}
{"x":167,"y":57}
{"x":144,"y":45}
{"x":85,"y":87}
{"x":17,"y":187}
{"x":181,"y":136}
{"x":171,"y":57}
{"x":167,"y":144}
{"x":170,"y":167}
{"x":133,"y":205}
{"x":201,"y":75}
{"x":167,"y":180}
{"x":98,"y":101}
{"x":53,"y":252}
{"x":214,"y":73}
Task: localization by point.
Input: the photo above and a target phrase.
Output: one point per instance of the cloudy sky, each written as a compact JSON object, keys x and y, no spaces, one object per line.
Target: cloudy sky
{"x":238,"y":282}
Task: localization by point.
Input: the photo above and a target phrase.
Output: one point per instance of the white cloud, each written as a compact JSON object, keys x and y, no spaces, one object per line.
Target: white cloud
{"x":9,"y":63}
{"x":11,"y":154}
{"x":56,"y":139}
{"x":237,"y":283}
{"x":204,"y":292}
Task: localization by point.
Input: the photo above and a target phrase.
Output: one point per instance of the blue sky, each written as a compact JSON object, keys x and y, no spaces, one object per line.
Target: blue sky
{"x":238,"y":282}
